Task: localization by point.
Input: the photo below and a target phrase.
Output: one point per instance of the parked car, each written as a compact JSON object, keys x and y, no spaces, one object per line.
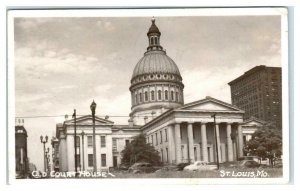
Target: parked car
{"x":123,"y":167}
{"x":246,"y":164}
{"x":170,"y":167}
{"x":255,"y":158}
{"x":142,"y":167}
{"x":173,"y":167}
{"x":181,"y":166}
{"x":200,"y":165}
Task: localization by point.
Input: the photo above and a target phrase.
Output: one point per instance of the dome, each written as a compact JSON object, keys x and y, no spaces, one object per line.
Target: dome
{"x":156,"y":83}
{"x":155,"y":62}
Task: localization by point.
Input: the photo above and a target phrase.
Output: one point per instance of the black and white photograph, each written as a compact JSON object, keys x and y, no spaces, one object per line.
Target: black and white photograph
{"x":142,"y":94}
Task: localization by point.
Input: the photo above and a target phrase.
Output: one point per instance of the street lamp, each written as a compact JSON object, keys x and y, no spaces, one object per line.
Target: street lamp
{"x":82,"y":134}
{"x":44,"y":142}
{"x":93,"y":109}
{"x":217,"y":146}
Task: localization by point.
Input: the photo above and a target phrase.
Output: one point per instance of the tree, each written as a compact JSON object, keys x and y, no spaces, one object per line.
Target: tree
{"x":140,"y":151}
{"x":265,"y":143}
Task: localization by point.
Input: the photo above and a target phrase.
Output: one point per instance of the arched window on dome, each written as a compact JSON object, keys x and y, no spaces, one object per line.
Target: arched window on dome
{"x":159,"y":94}
{"x":176,"y":96}
{"x":151,"y":40}
{"x":152,"y":95}
{"x":172,"y":95}
{"x":141,"y":98}
{"x":146,"y":96}
{"x":136,"y":99}
{"x":155,"y":40}
{"x":166,"y":95}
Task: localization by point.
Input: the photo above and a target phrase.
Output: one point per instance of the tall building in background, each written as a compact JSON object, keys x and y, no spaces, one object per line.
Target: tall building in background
{"x":258,"y":93}
{"x":21,"y":149}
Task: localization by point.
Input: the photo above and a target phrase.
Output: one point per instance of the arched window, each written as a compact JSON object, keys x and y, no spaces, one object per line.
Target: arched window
{"x":159,"y":94}
{"x":151,"y":40}
{"x":152,"y":95}
{"x":155,"y":40}
{"x":141,"y":99}
{"x":172,"y":95}
{"x":136,"y":99}
{"x":176,"y":96}
{"x":166,"y":95}
{"x":146,"y":96}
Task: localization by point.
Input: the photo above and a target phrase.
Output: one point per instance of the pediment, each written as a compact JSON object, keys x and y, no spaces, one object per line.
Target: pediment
{"x":88,"y":120}
{"x":210,"y":104}
{"x":254,"y":122}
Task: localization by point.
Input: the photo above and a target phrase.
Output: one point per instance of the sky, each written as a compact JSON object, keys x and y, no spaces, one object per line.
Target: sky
{"x":63,"y":64}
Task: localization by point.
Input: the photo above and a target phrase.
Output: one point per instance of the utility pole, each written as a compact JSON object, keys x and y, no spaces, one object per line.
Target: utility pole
{"x":216,"y":140}
{"x":75,"y":140}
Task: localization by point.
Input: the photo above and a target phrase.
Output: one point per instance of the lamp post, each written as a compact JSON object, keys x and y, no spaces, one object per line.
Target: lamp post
{"x":82,"y":134}
{"x":93,"y":109}
{"x":48,"y":163}
{"x":47,"y":158}
{"x":75,"y":140}
{"x":44,"y":141}
{"x":217,"y":146}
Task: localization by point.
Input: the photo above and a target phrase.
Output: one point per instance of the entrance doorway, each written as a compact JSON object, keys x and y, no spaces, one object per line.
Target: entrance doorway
{"x":115,"y":161}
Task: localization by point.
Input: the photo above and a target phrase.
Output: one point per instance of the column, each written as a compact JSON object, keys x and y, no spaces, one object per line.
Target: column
{"x":63,"y":157}
{"x":98,"y":152}
{"x":240,"y":141}
{"x":171,"y":144}
{"x":70,"y":152}
{"x":149,"y":94}
{"x":218,"y":142}
{"x":204,"y":142}
{"x":229,"y":142}
{"x":177,"y":143}
{"x":155,"y":93}
{"x":190,"y":142}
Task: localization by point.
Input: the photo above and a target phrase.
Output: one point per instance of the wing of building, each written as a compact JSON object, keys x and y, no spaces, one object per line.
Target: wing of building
{"x":179,"y":132}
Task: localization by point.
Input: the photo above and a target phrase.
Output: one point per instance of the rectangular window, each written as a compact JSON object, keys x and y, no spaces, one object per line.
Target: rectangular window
{"x":166,"y":134}
{"x":115,"y":146}
{"x":90,"y":141}
{"x":152,"y":139}
{"x":103,"y":160}
{"x":193,"y":132}
{"x":180,"y":132}
{"x":90,"y":160}
{"x":103,"y":143}
{"x":78,"y":160}
{"x":156,"y":141}
{"x":126,"y":142}
{"x":161,"y":137}
{"x":167,"y":154}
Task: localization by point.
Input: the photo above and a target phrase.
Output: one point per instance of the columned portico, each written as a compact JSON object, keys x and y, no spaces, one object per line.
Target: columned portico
{"x":229,"y":142}
{"x":193,"y":135}
{"x":204,"y":142}
{"x":177,"y":143}
{"x":190,"y":142}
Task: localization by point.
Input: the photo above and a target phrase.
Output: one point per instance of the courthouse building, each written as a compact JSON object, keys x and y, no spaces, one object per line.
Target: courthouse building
{"x":180,"y":132}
